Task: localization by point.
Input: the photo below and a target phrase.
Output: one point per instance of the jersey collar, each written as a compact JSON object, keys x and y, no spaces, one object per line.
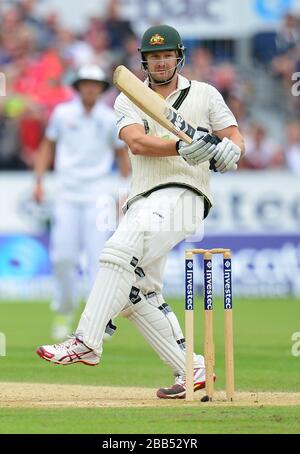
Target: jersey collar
{"x":183,"y":83}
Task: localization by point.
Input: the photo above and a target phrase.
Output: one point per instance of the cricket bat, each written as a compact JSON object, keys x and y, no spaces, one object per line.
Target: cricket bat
{"x":154,"y":105}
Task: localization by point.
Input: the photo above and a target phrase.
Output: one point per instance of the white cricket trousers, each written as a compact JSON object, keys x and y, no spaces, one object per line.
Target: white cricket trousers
{"x":167,"y":217}
{"x":149,"y":230}
{"x":74,"y":232}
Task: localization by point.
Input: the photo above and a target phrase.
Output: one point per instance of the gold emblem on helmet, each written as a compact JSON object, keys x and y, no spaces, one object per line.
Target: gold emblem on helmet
{"x":157,"y":39}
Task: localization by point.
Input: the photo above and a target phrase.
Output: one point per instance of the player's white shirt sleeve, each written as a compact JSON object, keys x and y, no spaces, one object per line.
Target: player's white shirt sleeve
{"x":220,"y":116}
{"x":53,"y":127}
{"x":126,"y":113}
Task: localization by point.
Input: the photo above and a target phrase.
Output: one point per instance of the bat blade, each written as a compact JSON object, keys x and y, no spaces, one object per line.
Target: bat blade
{"x":152,"y":104}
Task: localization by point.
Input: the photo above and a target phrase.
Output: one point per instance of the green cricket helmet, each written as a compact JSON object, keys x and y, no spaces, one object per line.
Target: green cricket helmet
{"x":161,"y":37}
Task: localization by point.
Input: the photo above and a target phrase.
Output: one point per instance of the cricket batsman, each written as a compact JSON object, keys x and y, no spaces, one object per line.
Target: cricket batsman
{"x":168,"y":201}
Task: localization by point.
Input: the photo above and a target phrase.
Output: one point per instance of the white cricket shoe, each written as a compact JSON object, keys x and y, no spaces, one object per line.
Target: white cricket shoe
{"x":177,"y":391}
{"x":71,"y":351}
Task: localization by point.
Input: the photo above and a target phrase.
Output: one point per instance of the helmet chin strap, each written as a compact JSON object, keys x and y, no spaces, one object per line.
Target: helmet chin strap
{"x":156,"y":82}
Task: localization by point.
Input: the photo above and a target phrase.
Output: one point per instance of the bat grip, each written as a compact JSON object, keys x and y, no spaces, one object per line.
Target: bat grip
{"x":212,"y":165}
{"x":212,"y":162}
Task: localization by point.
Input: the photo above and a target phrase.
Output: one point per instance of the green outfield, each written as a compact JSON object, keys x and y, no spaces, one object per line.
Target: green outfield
{"x":264,"y":362}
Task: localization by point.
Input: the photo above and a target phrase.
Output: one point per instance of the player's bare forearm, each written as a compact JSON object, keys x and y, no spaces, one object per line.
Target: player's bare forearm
{"x":44,"y":158}
{"x":237,"y":138}
{"x":232,"y":133}
{"x":141,"y":144}
{"x":42,"y":163}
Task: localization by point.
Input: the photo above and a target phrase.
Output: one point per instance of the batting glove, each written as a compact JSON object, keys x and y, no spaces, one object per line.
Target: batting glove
{"x":200,"y":150}
{"x":227,"y":154}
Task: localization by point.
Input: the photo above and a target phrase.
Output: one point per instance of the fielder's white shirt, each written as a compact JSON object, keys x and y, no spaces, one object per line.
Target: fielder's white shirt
{"x":204,"y":106}
{"x":85,"y":144}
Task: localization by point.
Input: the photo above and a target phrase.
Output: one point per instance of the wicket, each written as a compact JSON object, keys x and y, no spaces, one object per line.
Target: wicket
{"x":209,"y":350}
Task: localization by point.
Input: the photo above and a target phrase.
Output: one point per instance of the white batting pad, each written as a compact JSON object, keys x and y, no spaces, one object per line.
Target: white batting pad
{"x":109,"y":294}
{"x":160,"y":331}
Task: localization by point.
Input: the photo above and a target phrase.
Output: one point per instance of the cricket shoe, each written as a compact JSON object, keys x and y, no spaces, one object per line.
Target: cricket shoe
{"x":177,"y":391}
{"x":71,"y":351}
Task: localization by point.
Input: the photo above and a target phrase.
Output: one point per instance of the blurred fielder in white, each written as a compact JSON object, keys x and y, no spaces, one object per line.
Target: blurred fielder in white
{"x":82,"y":138}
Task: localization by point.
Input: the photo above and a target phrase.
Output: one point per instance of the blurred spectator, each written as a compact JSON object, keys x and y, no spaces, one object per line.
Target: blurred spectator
{"x":39,"y":58}
{"x":41,"y":81}
{"x":16,"y":38}
{"x":103,"y":56}
{"x":131,"y":58}
{"x":264,"y":47}
{"x":286,"y":62}
{"x":289,"y":34}
{"x":28,"y":17}
{"x":51,"y":29}
{"x":261,"y":151}
{"x":4,"y":55}
{"x":237,"y":106}
{"x":9,"y":142}
{"x":283,"y":67}
{"x":31,"y":132}
{"x":10,"y":21}
{"x":292,"y":147}
{"x":79,"y":51}
{"x":95,"y":23}
{"x":118,"y":29}
{"x":223,"y":76}
{"x":226,"y":80}
{"x":200,"y":66}
{"x":27,"y":12}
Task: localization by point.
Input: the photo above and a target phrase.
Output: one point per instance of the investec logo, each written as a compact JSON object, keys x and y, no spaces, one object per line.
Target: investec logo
{"x":189,"y":286}
{"x":227,"y":287}
{"x":208,"y":287}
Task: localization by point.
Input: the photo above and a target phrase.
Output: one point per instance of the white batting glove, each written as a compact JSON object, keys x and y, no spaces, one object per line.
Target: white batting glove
{"x":226,"y":156}
{"x":200,"y":150}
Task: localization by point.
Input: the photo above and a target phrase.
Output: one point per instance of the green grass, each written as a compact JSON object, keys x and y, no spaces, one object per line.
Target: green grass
{"x":263,"y":362}
{"x":262,"y":334}
{"x":155,"y":421}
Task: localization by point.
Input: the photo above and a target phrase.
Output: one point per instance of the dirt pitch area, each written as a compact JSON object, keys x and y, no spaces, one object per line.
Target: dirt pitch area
{"x":35,"y":395}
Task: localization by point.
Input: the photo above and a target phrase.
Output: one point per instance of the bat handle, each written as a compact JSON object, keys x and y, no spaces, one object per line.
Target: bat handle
{"x":212,"y":162}
{"x":212,"y":165}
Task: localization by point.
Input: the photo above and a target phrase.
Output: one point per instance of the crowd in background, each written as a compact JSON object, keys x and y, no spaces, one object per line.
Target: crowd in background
{"x":39,"y":58}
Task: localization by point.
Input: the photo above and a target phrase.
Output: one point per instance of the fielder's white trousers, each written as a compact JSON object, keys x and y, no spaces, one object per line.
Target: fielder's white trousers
{"x":74,"y":232}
